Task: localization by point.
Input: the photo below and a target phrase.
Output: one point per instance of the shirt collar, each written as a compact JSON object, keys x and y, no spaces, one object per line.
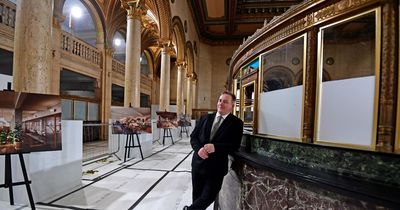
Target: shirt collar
{"x":223,"y":116}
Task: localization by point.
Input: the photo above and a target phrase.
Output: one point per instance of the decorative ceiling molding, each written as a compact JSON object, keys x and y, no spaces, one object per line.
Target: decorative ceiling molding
{"x":241,"y":18}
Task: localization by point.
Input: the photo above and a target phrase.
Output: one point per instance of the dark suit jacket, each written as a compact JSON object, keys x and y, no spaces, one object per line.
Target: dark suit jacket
{"x":226,"y":140}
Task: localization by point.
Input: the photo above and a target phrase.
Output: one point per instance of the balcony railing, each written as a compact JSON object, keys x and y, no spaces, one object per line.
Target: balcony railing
{"x":118,"y":67}
{"x":7,"y":13}
{"x":79,"y":48}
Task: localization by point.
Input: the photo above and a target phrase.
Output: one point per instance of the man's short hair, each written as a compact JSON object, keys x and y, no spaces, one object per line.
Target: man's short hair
{"x":231,"y":94}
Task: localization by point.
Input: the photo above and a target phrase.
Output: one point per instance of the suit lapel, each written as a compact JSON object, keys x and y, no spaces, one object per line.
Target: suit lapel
{"x":209,"y":123}
{"x":226,"y":123}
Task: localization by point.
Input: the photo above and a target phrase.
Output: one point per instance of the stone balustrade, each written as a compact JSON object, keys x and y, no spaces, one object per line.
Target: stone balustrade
{"x":7,"y":13}
{"x":118,"y":67}
{"x":79,"y":48}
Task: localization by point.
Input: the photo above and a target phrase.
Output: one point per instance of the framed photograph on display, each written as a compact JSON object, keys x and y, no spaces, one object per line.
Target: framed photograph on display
{"x":29,"y":122}
{"x":167,"y":119}
{"x":129,"y":120}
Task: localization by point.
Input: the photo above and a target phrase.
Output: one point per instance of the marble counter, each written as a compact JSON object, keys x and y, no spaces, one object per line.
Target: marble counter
{"x":273,"y":174}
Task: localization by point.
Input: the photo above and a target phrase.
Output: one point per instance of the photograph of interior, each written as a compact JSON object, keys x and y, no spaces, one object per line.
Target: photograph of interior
{"x":29,"y":122}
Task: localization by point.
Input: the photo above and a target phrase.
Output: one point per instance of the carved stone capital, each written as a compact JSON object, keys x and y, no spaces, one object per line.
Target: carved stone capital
{"x":134,"y":8}
{"x":181,"y":64}
{"x":166,"y":46}
{"x":192,"y":76}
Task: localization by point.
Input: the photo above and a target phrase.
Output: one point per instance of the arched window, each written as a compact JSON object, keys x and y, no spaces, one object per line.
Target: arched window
{"x":119,"y":45}
{"x":144,"y":64}
{"x":79,"y":22}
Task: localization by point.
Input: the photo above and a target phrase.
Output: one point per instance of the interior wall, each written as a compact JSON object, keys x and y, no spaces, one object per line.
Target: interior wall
{"x":212,"y":73}
{"x":220,"y":70}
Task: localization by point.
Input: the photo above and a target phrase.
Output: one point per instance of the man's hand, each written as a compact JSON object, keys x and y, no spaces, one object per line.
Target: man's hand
{"x":203,"y":153}
{"x":209,"y":148}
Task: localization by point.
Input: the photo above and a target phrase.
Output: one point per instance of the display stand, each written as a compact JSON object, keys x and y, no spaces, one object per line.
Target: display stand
{"x":167,"y":134}
{"x":130,"y":143}
{"x":8,"y":182}
{"x":184,"y":129}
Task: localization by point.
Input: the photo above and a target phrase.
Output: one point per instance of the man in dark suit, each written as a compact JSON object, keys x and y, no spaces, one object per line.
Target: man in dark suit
{"x":214,"y":137}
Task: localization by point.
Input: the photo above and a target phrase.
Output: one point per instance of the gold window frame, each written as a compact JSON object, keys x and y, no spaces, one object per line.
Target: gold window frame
{"x":243,"y":105}
{"x":246,"y":80}
{"x":260,"y":82}
{"x":237,"y":79}
{"x":397,"y":136}
{"x":377,"y":12}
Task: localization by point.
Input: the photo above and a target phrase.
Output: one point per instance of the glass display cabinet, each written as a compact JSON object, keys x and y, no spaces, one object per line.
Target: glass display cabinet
{"x":248,"y":95}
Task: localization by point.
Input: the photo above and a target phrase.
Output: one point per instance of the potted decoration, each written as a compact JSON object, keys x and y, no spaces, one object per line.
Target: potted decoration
{"x":3,"y":137}
{"x":18,"y":136}
{"x":10,"y":137}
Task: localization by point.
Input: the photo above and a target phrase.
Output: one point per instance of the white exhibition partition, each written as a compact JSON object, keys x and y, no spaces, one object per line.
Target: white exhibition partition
{"x":280,"y":112}
{"x":346,"y":111}
{"x":52,"y":172}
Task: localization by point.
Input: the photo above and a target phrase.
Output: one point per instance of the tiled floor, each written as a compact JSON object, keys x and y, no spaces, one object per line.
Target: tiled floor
{"x":161,"y":181}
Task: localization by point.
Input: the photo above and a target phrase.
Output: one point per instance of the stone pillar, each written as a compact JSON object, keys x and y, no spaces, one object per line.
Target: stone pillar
{"x":179,"y":87}
{"x":58,"y":20}
{"x":135,"y":10}
{"x":189,"y":94}
{"x":106,"y":85}
{"x":194,"y":95}
{"x":32,"y":62}
{"x":165,"y":75}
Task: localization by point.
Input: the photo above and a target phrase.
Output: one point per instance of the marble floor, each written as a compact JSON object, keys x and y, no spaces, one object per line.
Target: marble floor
{"x":161,"y":181}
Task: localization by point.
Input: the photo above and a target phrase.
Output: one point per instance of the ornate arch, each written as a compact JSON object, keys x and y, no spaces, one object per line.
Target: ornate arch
{"x":115,"y":17}
{"x":178,"y":31}
{"x":278,"y":77}
{"x":162,"y":10}
{"x":189,"y":57}
{"x":97,"y":16}
{"x":150,"y":60}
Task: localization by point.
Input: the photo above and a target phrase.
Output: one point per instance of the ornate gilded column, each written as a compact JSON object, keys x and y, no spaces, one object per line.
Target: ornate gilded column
{"x":179,"y":87}
{"x":189,"y":94}
{"x":32,"y":62}
{"x":165,"y":75}
{"x":310,"y":86}
{"x":387,"y":103}
{"x":135,"y":10}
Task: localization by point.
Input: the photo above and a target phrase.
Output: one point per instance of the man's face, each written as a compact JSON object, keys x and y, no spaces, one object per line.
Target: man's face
{"x":225,"y":104}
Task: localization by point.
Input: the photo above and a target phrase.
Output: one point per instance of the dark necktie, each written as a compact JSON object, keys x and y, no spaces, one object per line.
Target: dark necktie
{"x":215,"y":127}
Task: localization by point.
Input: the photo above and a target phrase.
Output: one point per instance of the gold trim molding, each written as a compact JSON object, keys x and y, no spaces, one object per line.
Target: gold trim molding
{"x":309,"y":17}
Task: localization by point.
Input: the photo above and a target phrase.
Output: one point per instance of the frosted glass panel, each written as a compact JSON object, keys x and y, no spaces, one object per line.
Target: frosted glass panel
{"x":281,"y":98}
{"x":347,"y":117}
{"x":280,"y":112}
{"x":80,"y":110}
{"x":93,"y":111}
{"x":66,"y":109}
{"x":346,"y":89}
